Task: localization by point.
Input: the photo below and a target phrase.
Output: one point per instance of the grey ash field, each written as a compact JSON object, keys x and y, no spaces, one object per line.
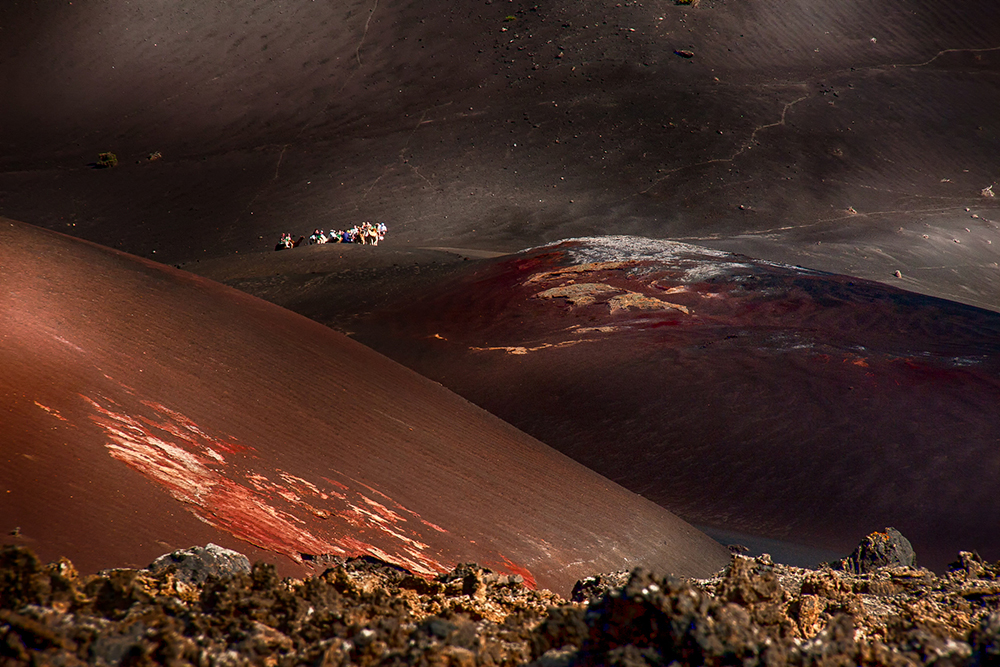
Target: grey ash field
{"x":858,"y":140}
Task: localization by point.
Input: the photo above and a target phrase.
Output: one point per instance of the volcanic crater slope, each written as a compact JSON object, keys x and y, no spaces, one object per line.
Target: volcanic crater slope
{"x":144,"y":407}
{"x":746,"y":396}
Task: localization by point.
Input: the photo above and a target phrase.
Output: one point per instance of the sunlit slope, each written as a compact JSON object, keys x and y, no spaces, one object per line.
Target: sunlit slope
{"x":146,"y":409}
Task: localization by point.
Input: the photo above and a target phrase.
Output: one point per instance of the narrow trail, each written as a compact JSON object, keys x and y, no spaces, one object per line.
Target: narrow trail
{"x":747,"y":145}
{"x":364,"y":34}
{"x":400,"y":159}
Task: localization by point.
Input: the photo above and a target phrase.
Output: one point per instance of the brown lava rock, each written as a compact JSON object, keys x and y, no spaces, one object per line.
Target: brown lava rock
{"x":877,"y":550}
{"x":366,"y":612}
{"x":361,"y":612}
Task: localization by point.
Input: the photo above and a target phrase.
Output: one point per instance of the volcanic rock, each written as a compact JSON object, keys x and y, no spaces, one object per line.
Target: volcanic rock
{"x":360,"y":612}
{"x":367,"y":612}
{"x":878,"y":550}
{"x":591,"y":589}
{"x":985,"y":641}
{"x":197,"y":564}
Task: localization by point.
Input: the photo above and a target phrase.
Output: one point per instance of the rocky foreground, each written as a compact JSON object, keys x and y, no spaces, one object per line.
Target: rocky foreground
{"x":209,"y":606}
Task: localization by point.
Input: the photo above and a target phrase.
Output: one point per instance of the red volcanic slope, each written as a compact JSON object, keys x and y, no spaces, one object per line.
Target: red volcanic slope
{"x":146,"y":409}
{"x":742,"y":395}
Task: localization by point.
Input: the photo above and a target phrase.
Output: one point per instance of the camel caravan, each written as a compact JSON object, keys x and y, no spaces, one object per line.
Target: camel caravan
{"x":366,"y":233}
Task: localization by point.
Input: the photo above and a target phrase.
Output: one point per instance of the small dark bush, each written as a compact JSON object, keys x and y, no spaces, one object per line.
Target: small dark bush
{"x":106,"y":160}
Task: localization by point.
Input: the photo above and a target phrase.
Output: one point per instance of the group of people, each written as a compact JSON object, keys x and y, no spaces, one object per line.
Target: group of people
{"x":367,"y":233}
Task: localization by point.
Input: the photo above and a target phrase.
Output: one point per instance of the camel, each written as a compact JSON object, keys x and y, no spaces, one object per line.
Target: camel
{"x":366,"y":234}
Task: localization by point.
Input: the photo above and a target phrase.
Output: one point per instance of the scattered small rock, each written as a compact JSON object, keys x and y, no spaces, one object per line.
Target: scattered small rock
{"x":364,"y":611}
{"x":106,"y":160}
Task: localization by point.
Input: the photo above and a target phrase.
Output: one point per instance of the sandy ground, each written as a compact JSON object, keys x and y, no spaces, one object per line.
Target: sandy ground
{"x":849,"y":138}
{"x":858,"y":138}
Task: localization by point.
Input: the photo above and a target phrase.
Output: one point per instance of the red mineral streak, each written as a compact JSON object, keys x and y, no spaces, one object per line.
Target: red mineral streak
{"x":51,"y":411}
{"x":243,"y":513}
{"x":429,"y":524}
{"x":383,"y":511}
{"x":171,"y":450}
{"x":199,"y":480}
{"x":529,"y":579}
{"x":335,"y":483}
{"x":400,"y":507}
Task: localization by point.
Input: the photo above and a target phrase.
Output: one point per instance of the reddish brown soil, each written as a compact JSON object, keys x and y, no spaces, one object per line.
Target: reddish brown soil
{"x":147,"y":409}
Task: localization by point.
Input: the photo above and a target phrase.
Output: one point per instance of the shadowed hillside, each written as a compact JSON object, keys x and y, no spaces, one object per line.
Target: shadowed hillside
{"x":856,"y":138}
{"x":849,"y":137}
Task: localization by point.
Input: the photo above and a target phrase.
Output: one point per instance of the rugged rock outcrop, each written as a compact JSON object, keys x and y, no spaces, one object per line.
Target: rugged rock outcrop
{"x":361,"y":612}
{"x":759,"y":612}
{"x":877,"y":550}
{"x":366,"y":612}
{"x":197,"y":564}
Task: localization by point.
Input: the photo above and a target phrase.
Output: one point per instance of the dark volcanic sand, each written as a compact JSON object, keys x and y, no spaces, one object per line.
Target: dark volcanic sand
{"x":146,"y":409}
{"x":842,"y":136}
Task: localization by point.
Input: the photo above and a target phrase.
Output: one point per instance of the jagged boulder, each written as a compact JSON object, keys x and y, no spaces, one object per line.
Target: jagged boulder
{"x":658,"y":620}
{"x":879,"y":550}
{"x":197,"y":564}
{"x":594,"y":588}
